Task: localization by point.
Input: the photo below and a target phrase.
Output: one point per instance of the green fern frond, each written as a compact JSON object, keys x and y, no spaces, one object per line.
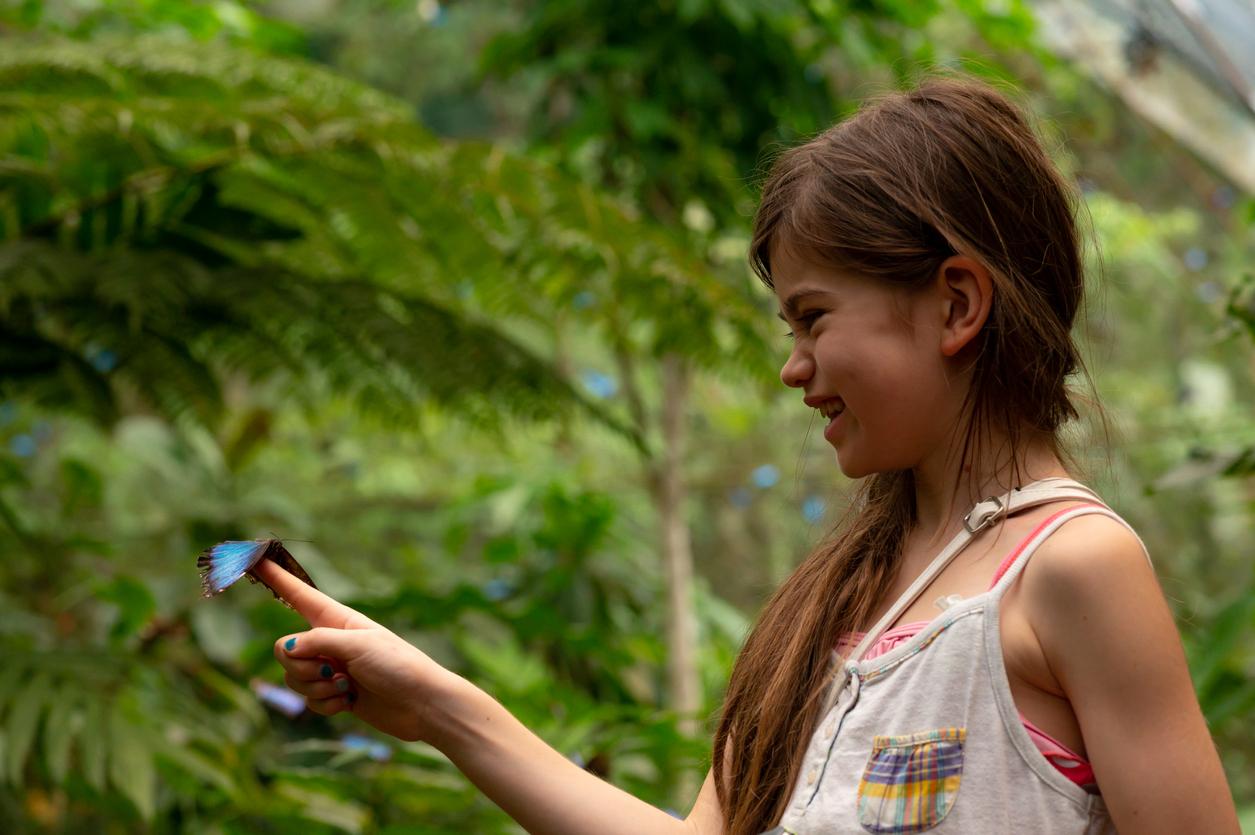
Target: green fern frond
{"x":310,"y":185}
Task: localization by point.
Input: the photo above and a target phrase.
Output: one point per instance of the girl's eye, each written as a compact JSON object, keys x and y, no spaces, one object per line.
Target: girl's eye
{"x":805,"y":321}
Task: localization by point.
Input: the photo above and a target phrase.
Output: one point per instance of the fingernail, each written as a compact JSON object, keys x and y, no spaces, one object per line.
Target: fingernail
{"x":342,"y":684}
{"x":289,"y":644}
{"x":352,"y":698}
{"x":326,"y":671}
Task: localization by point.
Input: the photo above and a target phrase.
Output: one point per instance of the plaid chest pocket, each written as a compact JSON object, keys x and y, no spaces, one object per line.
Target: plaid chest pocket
{"x":911,"y":780}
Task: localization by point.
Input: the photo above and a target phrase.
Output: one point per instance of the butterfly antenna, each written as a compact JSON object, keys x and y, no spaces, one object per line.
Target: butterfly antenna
{"x":284,"y":539}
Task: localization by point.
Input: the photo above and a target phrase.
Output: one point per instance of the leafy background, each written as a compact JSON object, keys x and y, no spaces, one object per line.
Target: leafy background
{"x":454,"y":299}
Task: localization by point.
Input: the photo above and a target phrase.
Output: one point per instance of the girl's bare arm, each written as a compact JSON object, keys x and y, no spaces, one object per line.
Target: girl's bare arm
{"x":537,"y":786}
{"x":347,"y":662}
{"x":706,"y":818}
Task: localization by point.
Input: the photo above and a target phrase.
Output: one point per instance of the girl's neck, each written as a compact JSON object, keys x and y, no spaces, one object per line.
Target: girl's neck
{"x":943,"y":497}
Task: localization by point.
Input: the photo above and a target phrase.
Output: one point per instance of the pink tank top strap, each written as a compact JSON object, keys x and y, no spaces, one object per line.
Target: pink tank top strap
{"x":1019,"y":549}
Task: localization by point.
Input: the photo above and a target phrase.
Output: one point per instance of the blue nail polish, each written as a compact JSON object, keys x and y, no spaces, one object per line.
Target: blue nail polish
{"x":352,"y":698}
{"x":325,"y":671}
{"x":289,"y":644}
{"x":342,"y":684}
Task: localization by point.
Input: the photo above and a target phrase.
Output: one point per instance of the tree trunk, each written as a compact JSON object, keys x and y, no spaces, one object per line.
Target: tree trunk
{"x":683,"y":680}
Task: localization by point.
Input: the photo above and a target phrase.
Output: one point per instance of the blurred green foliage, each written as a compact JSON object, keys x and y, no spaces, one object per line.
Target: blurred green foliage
{"x":242,"y":293}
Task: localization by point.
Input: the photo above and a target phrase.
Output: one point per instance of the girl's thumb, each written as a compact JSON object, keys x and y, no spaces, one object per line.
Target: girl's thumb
{"x":321,"y":640}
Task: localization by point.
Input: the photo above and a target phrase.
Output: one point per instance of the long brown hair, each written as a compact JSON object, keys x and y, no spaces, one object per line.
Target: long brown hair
{"x":950,"y":167}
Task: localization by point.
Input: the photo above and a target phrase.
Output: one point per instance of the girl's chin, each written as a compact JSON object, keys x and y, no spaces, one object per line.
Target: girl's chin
{"x":854,"y":467}
{"x":853,"y":470}
{"x":850,"y":467}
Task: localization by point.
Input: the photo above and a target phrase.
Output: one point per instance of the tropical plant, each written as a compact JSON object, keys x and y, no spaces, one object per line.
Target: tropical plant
{"x":187,"y":222}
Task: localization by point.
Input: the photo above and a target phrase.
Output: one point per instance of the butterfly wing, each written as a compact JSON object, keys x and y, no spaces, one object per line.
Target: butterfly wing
{"x":226,"y":562}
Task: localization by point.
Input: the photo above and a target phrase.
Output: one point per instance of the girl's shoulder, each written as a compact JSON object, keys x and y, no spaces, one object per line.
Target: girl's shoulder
{"x":1086,"y":549}
{"x":1090,"y":590}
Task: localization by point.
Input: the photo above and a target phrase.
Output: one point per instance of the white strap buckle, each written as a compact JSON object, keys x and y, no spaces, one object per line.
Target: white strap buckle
{"x":990,"y":514}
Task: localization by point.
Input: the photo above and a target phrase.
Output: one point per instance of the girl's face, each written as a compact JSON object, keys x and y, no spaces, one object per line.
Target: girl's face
{"x":869,"y":357}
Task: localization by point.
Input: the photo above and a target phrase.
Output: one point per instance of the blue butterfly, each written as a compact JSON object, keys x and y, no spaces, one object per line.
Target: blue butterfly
{"x":226,"y":562}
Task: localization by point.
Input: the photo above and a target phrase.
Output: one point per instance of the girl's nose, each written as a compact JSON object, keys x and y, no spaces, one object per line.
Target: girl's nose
{"x":797,"y":369}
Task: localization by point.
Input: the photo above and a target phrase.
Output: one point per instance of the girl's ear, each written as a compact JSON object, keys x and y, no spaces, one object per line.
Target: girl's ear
{"x":967,"y":295}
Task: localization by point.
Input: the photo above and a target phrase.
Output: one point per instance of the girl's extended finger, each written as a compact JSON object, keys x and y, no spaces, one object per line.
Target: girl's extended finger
{"x":313,"y":605}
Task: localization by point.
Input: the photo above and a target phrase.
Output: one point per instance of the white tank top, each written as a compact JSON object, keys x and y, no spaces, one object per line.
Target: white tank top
{"x":927,"y":738}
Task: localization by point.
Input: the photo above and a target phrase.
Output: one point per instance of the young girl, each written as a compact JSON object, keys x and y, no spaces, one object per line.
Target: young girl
{"x":981,"y":646}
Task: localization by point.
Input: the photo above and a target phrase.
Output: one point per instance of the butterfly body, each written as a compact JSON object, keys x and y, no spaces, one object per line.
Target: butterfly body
{"x":223,"y":564}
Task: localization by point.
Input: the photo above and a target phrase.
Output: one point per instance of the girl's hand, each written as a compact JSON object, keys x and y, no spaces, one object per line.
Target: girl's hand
{"x":349,"y":662}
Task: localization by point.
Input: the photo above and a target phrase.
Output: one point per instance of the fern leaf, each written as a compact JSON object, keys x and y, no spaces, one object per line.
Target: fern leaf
{"x":199,"y":766}
{"x":65,"y":720}
{"x":131,"y":769}
{"x":23,"y":724}
{"x":94,"y":743}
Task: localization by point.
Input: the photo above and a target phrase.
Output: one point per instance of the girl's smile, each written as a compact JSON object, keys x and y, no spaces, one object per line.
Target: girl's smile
{"x":832,"y":429}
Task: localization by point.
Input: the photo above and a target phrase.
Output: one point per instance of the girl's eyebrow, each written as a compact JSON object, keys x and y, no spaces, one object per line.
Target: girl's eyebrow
{"x":790,"y":304}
